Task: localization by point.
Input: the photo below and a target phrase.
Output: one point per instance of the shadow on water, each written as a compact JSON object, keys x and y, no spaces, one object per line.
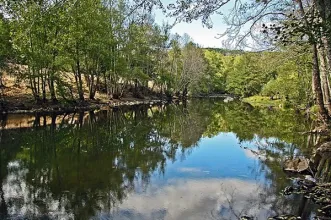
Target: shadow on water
{"x":90,"y":164}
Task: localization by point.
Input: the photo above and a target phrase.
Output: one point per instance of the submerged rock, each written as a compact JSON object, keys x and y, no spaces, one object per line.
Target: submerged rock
{"x":296,"y":165}
{"x":318,"y":193}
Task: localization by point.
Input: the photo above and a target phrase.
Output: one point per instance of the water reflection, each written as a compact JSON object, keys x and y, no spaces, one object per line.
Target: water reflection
{"x":196,"y":199}
{"x":208,"y":160}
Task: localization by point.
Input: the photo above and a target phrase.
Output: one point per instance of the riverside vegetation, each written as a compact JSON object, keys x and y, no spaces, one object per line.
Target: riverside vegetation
{"x":101,"y":50}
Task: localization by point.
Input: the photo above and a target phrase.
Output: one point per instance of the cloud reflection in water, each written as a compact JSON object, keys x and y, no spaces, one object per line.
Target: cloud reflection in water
{"x":195,"y":199}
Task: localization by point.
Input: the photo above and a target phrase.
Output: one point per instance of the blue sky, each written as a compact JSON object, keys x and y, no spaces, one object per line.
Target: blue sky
{"x":202,"y":35}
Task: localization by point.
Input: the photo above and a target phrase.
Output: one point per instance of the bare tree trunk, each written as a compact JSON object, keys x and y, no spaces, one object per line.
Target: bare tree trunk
{"x":52,"y":87}
{"x":51,"y":77}
{"x":317,"y":86}
{"x":91,"y":87}
{"x":2,"y":98}
{"x":79,"y":82}
{"x":33,"y":85}
{"x":78,"y":75}
{"x":316,"y":80}
{"x":324,"y":79}
{"x":43,"y":85}
{"x":324,"y":11}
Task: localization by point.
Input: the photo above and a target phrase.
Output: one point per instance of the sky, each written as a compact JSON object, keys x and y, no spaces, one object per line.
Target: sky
{"x":201,"y":35}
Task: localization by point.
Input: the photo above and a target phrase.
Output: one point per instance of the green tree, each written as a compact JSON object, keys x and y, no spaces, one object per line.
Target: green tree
{"x":216,"y":80}
{"x":5,"y":51}
{"x":246,"y":78}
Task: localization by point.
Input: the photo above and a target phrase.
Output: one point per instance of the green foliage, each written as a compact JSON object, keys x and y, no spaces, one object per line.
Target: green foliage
{"x":105,"y":47}
{"x":278,"y":75}
{"x":264,"y":101}
{"x":101,"y":43}
{"x":225,"y":52}
{"x":215,"y":83}
{"x":5,"y":45}
{"x":293,"y":81}
{"x":5,"y":51}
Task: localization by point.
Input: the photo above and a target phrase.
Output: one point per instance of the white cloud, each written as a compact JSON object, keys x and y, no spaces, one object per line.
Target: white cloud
{"x":189,"y":170}
{"x":201,"y":35}
{"x":195,"y":200}
{"x":255,"y":154}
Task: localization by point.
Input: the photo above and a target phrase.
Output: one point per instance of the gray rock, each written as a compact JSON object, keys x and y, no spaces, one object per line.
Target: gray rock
{"x":228,"y":99}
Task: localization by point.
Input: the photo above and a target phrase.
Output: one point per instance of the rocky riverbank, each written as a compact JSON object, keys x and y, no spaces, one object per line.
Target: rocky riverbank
{"x":311,"y":180}
{"x":315,"y":183}
{"x":88,"y":105}
{"x":21,"y":105}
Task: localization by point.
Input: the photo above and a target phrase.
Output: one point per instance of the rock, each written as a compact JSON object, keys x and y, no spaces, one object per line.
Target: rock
{"x":306,"y":183}
{"x":296,"y":165}
{"x":310,"y":178}
{"x":245,"y":217}
{"x":228,"y":99}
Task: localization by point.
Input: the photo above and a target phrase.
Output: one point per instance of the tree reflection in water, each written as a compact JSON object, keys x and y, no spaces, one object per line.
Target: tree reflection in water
{"x":84,"y":164}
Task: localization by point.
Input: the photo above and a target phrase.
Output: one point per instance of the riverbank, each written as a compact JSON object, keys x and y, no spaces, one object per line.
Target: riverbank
{"x":215,"y":96}
{"x":263,"y":101}
{"x":29,"y":106}
{"x":17,"y":98}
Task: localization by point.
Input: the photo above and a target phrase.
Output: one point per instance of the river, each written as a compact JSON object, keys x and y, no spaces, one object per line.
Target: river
{"x":203,"y":160}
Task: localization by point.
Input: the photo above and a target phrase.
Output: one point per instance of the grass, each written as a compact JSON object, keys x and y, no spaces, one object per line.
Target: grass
{"x":264,"y":101}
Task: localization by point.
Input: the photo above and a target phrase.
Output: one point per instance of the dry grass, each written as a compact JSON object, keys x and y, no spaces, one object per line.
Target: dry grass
{"x":18,"y":96}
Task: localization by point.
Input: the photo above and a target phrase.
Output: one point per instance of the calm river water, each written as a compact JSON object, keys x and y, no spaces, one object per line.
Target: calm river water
{"x":202,"y":160}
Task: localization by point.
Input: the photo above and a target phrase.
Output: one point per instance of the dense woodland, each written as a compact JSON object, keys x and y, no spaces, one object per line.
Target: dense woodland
{"x":104,"y":46}
{"x":72,"y":49}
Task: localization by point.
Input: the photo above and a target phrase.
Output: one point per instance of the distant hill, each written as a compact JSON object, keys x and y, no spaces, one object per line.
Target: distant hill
{"x":225,"y":51}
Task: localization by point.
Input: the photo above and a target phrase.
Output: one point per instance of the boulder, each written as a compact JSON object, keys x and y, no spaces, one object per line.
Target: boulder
{"x":228,"y":99}
{"x":297,"y":165}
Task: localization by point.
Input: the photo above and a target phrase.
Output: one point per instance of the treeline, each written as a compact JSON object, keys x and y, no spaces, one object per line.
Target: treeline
{"x":285,"y":74}
{"x":275,"y":23}
{"x":73,"y":49}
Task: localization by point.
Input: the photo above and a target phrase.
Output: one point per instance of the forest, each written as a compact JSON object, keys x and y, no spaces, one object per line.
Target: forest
{"x":71,"y":51}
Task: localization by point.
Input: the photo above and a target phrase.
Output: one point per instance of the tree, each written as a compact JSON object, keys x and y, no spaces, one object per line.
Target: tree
{"x":288,"y":20}
{"x":102,"y":46}
{"x":216,"y":80}
{"x":246,"y":78}
{"x":194,"y":67}
{"x":5,"y":52}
